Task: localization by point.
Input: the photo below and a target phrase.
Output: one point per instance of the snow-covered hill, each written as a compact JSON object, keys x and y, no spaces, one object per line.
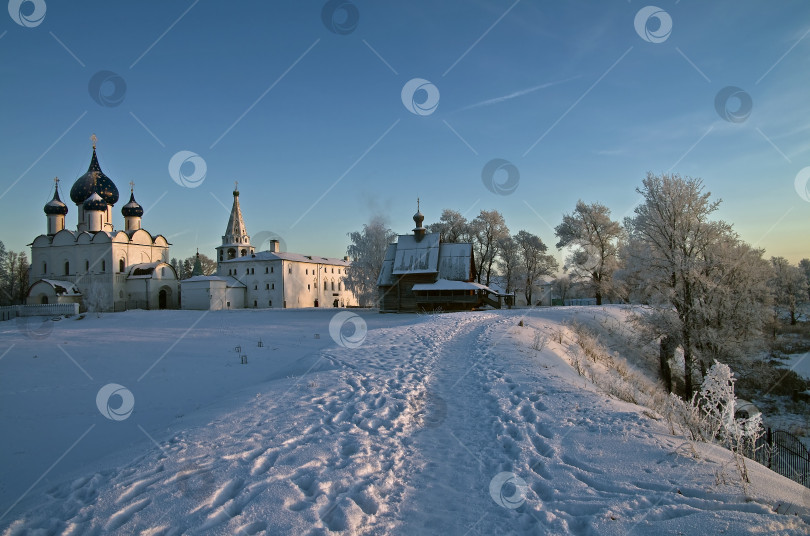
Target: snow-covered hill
{"x":444,"y":424}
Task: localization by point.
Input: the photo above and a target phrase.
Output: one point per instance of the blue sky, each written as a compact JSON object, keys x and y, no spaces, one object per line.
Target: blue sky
{"x":312,"y":123}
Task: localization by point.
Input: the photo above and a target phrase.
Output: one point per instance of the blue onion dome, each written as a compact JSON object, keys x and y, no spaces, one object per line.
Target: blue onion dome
{"x":55,"y":205}
{"x":94,"y":202}
{"x":132,"y":208}
{"x":94,"y":181}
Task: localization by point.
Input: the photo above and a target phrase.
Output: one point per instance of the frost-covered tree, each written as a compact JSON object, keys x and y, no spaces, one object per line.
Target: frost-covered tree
{"x":487,"y":229}
{"x":367,"y":252}
{"x":789,"y":284}
{"x":535,"y":263}
{"x":804,"y":265}
{"x":562,"y":286}
{"x":594,"y":239}
{"x":452,"y":227}
{"x":509,"y":263}
{"x":705,"y":288}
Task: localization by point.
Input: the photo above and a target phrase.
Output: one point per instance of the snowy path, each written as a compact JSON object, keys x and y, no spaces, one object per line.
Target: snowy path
{"x":404,"y":435}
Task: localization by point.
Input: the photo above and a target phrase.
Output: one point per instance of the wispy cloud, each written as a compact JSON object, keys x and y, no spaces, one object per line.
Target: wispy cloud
{"x":518,"y":93}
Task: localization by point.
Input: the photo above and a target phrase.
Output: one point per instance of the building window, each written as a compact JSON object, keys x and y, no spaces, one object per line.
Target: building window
{"x":121,"y":265}
{"x":44,"y":267}
{"x":255,"y":287}
{"x":333,"y":270}
{"x":309,"y":287}
{"x":289,"y":269}
{"x":266,"y":270}
{"x":67,"y":268}
{"x":307,"y":271}
{"x":86,"y":266}
{"x":270,"y":303}
{"x":247,"y":270}
{"x":267,"y":286}
{"x":271,"y":269}
{"x":252,"y":271}
{"x":255,"y":304}
{"x":333,"y":285}
{"x":338,"y":285}
{"x":324,"y":285}
{"x":272,"y":286}
{"x":231,"y":254}
{"x":243,"y":253}
{"x":103,"y":266}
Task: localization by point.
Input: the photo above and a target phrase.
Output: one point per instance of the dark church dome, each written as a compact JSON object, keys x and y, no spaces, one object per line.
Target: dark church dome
{"x":94,"y":202}
{"x":94,"y":181}
{"x":55,"y":205}
{"x":132,"y":208}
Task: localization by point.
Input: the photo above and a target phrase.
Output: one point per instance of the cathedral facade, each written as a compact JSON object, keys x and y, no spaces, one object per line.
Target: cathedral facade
{"x":272,"y":279}
{"x":95,"y":265}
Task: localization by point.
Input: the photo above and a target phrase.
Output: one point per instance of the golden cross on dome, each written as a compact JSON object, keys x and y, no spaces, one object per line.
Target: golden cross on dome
{"x":236,"y":185}
{"x":131,"y":186}
{"x":94,"y":140}
{"x":56,"y":181}
{"x":417,"y":204}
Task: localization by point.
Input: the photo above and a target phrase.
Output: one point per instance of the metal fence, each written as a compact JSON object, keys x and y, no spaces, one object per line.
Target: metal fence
{"x":783,"y":453}
{"x":53,"y":309}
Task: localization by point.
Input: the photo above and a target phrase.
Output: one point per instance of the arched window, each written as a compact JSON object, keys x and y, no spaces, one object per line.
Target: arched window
{"x":243,"y":253}
{"x":255,"y":303}
{"x":270,"y":303}
{"x":324,"y":285}
{"x":338,"y":286}
{"x":44,"y":268}
{"x":309,"y":287}
{"x":103,"y":266}
{"x":333,"y":285}
{"x":333,"y":270}
{"x":272,"y":286}
{"x":307,"y":272}
{"x":86,"y":266}
{"x":255,"y":287}
{"x":67,"y":268}
{"x":271,"y":269}
{"x":266,"y":270}
{"x":121,"y":265}
{"x":231,"y":254}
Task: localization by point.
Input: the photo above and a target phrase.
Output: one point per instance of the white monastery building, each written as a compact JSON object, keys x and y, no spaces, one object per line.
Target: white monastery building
{"x":274,"y":279}
{"x":96,"y":266}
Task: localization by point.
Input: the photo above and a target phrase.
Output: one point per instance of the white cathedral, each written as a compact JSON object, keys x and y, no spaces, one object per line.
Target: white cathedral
{"x":247,"y":278}
{"x":95,"y":265}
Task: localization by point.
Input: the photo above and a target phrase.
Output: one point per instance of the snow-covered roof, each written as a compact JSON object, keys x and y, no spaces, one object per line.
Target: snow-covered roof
{"x":417,"y":256}
{"x":286,"y":256}
{"x":144,"y":270}
{"x":446,"y":284}
{"x":455,"y":261}
{"x":229,"y":281}
{"x":62,"y":287}
{"x":386,"y":277}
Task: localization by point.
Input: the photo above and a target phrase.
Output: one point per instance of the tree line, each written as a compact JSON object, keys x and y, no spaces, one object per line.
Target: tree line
{"x":702,"y":287}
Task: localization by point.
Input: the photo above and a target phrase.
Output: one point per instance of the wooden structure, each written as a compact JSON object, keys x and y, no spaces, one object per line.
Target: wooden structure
{"x":421,"y":273}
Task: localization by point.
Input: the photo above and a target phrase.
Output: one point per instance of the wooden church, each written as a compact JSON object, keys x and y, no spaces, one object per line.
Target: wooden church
{"x":420,"y":273}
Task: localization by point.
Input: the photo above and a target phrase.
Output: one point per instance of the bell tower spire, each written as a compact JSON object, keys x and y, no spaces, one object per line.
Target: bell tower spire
{"x":235,"y":241}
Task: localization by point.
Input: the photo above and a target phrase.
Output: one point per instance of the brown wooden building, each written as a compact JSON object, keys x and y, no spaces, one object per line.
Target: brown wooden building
{"x":422,"y":273}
